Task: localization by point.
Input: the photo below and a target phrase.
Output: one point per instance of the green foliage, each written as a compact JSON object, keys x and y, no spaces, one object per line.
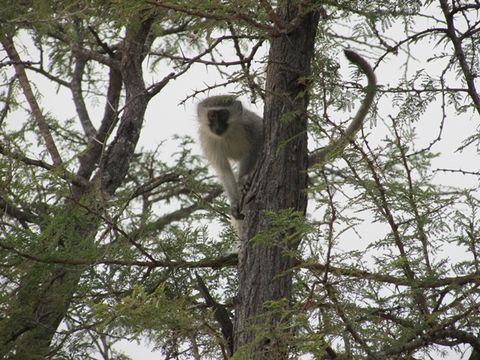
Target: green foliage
{"x":388,"y":262}
{"x":286,"y":227}
{"x":140,"y":311}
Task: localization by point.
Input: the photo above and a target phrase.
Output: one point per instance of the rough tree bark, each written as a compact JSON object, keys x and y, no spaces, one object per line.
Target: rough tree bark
{"x":45,"y":290}
{"x":278,"y":183}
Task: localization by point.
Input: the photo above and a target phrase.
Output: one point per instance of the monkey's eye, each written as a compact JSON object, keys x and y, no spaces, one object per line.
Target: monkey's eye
{"x":221,"y":115}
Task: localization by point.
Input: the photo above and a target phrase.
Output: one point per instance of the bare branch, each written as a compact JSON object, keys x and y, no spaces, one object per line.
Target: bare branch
{"x":154,"y":183}
{"x":246,"y":62}
{"x":76,"y":88}
{"x":48,"y":75}
{"x":9,"y":63}
{"x":459,"y":171}
{"x":219,"y":312}
{"x":199,"y":61}
{"x":215,"y":263}
{"x":460,"y":54}
{"x":101,"y":43}
{"x":84,"y":52}
{"x":415,"y":37}
{"x":466,"y":7}
{"x":175,"y":215}
{"x":64,"y":174}
{"x":89,"y":160}
{"x":157,"y":87}
{"x":9,"y":46}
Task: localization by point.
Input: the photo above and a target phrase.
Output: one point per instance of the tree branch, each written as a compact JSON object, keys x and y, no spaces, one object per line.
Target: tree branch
{"x":386,"y":211}
{"x":215,"y":263}
{"x":176,"y":215}
{"x":83,"y":52}
{"x":219,"y":312}
{"x":460,"y":54}
{"x":23,"y":216}
{"x":115,"y":163}
{"x":245,"y":63}
{"x":213,"y":15}
{"x":157,"y":87}
{"x":76,"y":88}
{"x":9,"y":46}
{"x":64,"y":174}
{"x":101,"y":43}
{"x":354,"y":272}
{"x":89,"y":160}
{"x":48,"y":75}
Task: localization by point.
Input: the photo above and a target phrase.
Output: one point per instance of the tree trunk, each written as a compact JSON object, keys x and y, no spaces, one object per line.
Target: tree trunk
{"x":278,"y":183}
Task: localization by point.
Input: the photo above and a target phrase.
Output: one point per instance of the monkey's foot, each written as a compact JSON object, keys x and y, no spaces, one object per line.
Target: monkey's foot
{"x":236,"y":213}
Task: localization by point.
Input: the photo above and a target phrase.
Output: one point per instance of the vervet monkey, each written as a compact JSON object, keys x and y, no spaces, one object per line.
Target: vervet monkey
{"x":229,"y":132}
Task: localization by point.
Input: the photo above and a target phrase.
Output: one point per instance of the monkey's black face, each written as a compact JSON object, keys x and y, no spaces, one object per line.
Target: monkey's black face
{"x":218,"y":120}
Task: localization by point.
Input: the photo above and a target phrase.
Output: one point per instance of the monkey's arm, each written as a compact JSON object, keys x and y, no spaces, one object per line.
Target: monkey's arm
{"x":336,"y":147}
{"x":225,"y":174}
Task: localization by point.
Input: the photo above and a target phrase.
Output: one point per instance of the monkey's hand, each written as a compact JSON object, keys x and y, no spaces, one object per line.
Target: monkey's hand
{"x":244,"y":184}
{"x":236,"y":212}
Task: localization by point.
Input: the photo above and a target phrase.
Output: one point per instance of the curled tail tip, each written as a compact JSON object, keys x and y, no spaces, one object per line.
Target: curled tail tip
{"x":354,"y":57}
{"x":363,"y":64}
{"x":350,"y":54}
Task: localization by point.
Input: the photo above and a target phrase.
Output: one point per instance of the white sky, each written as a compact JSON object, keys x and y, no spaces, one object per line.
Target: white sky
{"x":181,"y":120}
{"x":165,"y":118}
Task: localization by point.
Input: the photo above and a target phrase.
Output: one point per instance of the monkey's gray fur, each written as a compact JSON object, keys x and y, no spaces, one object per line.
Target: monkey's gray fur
{"x":230,"y":133}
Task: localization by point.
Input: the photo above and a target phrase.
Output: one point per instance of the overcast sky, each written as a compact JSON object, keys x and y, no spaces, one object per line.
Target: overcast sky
{"x":166,"y":118}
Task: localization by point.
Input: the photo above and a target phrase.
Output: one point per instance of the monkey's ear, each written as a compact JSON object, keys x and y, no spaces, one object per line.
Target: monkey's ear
{"x":237,"y":107}
{"x":200,"y":111}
